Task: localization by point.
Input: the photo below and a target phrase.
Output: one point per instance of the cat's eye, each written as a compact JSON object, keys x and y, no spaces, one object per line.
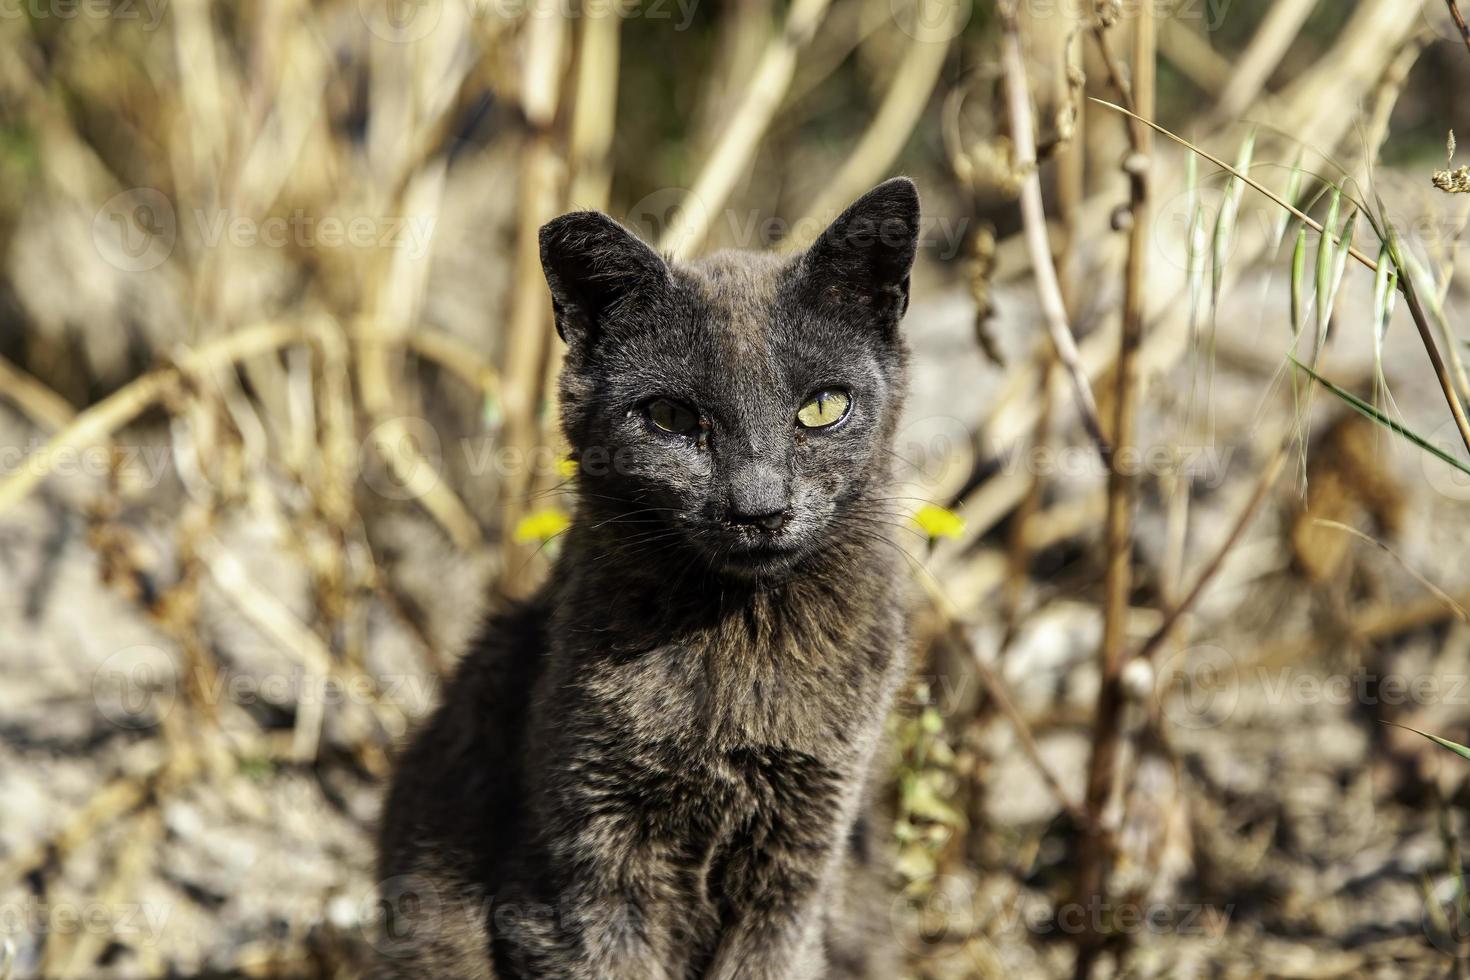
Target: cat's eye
{"x":672,"y":417}
{"x":827,"y":407}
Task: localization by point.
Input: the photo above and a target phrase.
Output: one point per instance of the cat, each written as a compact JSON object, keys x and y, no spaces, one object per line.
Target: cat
{"x":660,"y":767}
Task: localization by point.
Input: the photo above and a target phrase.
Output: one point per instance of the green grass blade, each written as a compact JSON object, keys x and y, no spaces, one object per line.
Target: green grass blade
{"x":1229,"y":211}
{"x":1375,"y":415}
{"x":1292,"y":197}
{"x":1326,"y":255}
{"x":1298,"y":285}
{"x":1384,"y":280}
{"x":1455,"y":747}
{"x":1339,"y":261}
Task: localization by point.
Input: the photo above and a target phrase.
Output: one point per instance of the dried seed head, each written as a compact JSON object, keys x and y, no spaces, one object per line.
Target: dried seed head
{"x":1453,"y":181}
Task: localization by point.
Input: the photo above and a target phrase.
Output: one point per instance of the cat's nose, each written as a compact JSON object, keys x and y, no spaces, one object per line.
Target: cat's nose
{"x":758,"y":498}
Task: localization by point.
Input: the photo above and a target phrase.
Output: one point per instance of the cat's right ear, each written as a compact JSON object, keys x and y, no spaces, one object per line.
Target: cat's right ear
{"x":596,"y":269}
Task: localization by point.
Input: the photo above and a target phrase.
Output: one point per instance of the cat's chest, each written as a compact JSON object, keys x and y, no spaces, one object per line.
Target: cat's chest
{"x":815,"y":695}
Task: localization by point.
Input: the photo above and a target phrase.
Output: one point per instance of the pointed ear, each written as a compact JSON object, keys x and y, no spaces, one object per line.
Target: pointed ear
{"x":596,"y":268}
{"x":864,"y":257}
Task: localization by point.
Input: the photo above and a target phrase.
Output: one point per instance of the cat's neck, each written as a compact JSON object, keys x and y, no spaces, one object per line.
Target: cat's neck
{"x":641,"y":586}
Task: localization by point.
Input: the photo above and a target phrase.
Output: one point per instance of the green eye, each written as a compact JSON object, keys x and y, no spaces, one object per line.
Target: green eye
{"x":827,"y":407}
{"x":672,"y":417}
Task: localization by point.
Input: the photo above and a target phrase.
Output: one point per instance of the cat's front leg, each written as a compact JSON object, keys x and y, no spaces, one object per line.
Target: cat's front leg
{"x":586,"y":933}
{"x":773,"y":944}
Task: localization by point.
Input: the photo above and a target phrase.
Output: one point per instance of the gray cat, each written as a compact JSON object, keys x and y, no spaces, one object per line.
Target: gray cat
{"x":658,"y":768}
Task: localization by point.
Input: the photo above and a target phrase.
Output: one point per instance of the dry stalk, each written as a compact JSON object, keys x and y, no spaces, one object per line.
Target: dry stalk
{"x":1118,"y":577}
{"x":741,"y":138}
{"x":902,"y":109}
{"x":275,"y":620}
{"x":1193,"y":56}
{"x":529,"y":333}
{"x":1039,"y":245}
{"x":1249,"y":72}
{"x":45,"y":407}
{"x":594,"y":114}
{"x":98,"y":423}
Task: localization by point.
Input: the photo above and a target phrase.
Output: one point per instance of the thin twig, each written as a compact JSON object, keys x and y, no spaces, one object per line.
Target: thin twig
{"x":1103,"y":767}
{"x":1460,"y":22}
{"x":996,"y":687}
{"x":1039,"y":245}
{"x":1217,"y":560}
{"x":1443,"y":596}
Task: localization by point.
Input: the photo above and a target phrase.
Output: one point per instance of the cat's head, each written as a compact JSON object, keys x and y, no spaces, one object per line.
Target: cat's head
{"x":740,"y":406}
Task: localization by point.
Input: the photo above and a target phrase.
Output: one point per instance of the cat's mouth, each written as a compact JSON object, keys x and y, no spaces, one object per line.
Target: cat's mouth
{"x":763,"y":559}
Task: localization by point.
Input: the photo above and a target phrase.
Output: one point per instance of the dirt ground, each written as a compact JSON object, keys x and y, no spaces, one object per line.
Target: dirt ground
{"x":203,"y":805}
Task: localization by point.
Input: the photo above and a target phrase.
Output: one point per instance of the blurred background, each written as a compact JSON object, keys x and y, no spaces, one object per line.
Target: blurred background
{"x":277,"y":426}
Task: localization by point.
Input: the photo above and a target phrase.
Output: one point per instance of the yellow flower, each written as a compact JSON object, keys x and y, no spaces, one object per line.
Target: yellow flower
{"x":937,"y":522}
{"x":543,"y":525}
{"x":568,"y":467}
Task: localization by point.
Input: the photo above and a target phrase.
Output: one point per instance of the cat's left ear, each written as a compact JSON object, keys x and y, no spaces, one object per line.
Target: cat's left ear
{"x":865,"y":256}
{"x":597,"y":270}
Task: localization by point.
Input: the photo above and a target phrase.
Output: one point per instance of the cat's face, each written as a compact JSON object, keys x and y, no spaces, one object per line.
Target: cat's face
{"x":738,"y":408}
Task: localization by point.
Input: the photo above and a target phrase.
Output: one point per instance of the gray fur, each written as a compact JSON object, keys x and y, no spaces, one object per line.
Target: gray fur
{"x":659,"y":767}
